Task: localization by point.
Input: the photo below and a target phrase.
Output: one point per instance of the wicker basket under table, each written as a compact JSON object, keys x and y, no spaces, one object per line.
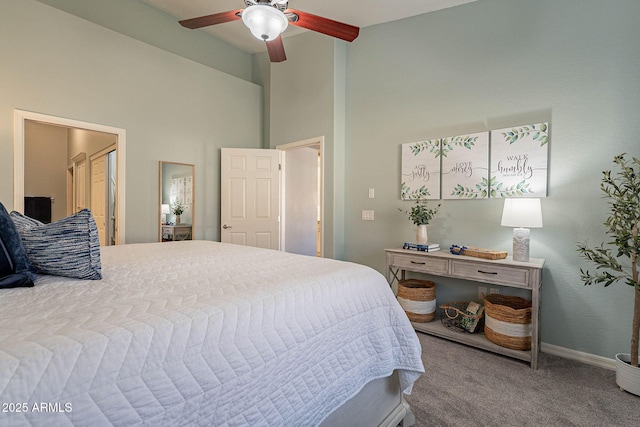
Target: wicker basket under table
{"x":418,"y":299}
{"x":508,"y":321}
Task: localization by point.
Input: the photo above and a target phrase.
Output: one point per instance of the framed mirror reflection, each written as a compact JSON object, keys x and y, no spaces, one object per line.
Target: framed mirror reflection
{"x":177,"y":201}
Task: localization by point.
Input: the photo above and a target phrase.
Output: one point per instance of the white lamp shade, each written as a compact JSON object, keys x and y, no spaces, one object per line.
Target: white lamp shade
{"x":522,"y":212}
{"x":165,"y":209}
{"x":265,"y":22}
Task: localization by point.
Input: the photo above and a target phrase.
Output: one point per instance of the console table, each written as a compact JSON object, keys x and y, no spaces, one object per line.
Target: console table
{"x":503,"y":272}
{"x":176,"y":232}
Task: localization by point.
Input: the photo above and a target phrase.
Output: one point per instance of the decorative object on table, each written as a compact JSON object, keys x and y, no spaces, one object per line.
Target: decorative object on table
{"x":507,"y":321}
{"x":623,"y":193}
{"x":177,"y":210}
{"x":521,"y":214}
{"x":477,"y":252}
{"x":165,"y":209}
{"x":465,"y":166}
{"x":462,"y":316}
{"x":427,"y":247}
{"x":519,"y":161}
{"x":421,"y":214}
{"x":418,"y":299}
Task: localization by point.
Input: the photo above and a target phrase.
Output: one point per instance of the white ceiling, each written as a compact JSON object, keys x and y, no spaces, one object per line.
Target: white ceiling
{"x":361,"y":13}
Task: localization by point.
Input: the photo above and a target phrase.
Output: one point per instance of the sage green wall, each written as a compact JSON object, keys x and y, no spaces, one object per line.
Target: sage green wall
{"x":172,"y":108}
{"x":306,"y":95}
{"x":137,"y":19}
{"x":485,"y":65}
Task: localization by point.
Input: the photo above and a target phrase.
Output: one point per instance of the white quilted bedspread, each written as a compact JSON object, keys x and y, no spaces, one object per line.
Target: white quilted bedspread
{"x":199,"y":333}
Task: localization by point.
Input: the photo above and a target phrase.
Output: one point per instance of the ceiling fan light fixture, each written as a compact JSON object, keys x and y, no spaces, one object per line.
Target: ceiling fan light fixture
{"x":265,"y":21}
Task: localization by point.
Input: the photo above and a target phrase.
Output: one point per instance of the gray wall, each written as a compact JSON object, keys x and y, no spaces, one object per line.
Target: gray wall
{"x":47,"y":156}
{"x":172,"y":108}
{"x":486,"y":65}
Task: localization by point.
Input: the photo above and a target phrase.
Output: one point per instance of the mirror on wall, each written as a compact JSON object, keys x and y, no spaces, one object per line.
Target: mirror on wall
{"x":177,"y":201}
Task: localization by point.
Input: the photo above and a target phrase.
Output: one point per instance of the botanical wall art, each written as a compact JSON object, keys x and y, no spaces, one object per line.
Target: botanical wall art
{"x":421,"y":170}
{"x":465,"y":166}
{"x":457,"y":167}
{"x":519,"y":161}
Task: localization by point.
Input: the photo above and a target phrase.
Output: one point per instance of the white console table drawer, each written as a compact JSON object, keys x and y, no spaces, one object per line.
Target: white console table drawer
{"x":500,"y":275}
{"x":420,"y":264}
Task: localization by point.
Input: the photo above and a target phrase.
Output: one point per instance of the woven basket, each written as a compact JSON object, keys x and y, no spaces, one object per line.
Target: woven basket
{"x":456,"y":317}
{"x":418,"y":299}
{"x":507,"y":321}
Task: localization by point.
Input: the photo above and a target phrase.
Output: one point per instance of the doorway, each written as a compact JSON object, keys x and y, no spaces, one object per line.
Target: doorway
{"x":75,"y":168}
{"x":274,"y":197}
{"x":302,"y":197}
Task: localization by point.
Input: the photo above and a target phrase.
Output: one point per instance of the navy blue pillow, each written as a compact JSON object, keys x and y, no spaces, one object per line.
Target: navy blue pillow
{"x":68,"y":247}
{"x":8,"y":277}
{"x":6,"y":264}
{"x":13,"y":244}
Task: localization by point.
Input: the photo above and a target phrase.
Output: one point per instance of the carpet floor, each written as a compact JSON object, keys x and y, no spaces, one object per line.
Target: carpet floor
{"x":466,"y":386}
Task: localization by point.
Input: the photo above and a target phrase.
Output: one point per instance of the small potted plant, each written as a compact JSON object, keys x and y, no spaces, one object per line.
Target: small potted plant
{"x":617,"y":260}
{"x":421,"y":214}
{"x":177,"y":209}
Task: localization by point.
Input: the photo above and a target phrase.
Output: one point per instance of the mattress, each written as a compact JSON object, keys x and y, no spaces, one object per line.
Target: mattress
{"x":200,"y":333}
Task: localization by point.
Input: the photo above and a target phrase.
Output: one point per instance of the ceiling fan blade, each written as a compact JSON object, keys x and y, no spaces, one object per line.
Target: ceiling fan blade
{"x":276,"y":50}
{"x":324,"y":25}
{"x":216,"y":18}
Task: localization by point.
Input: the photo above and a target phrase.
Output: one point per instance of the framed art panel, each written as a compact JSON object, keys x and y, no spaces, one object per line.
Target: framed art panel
{"x":465,"y":166}
{"x":421,"y":170}
{"x":519,"y":161}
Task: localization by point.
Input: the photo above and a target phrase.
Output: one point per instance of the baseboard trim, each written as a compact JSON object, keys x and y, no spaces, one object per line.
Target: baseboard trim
{"x":567,"y":353}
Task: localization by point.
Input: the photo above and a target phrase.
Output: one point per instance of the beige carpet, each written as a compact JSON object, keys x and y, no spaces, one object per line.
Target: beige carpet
{"x":464,"y":386}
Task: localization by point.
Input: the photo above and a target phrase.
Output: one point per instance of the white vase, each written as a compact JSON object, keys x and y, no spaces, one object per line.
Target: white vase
{"x":177,"y":219}
{"x":421,"y":234}
{"x":627,"y":376}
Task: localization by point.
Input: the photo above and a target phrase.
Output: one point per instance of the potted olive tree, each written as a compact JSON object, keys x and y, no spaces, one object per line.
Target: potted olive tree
{"x":421,"y":214}
{"x":616,"y":261}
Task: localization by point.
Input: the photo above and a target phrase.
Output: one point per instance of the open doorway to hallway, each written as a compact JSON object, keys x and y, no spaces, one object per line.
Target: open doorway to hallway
{"x":49,"y":148}
{"x":302,"y":197}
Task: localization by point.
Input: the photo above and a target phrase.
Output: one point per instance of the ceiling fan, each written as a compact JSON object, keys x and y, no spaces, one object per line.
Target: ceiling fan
{"x":267,"y":19}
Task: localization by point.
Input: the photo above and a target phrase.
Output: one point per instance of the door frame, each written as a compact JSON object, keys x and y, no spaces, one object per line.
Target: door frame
{"x":103,"y":153}
{"x":19,"y":118}
{"x":311,"y":142}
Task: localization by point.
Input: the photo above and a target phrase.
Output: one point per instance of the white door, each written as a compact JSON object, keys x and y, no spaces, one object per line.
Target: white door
{"x":250,"y":197}
{"x":99,"y":195}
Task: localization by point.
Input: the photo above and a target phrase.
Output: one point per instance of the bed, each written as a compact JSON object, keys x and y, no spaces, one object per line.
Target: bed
{"x":207,"y":333}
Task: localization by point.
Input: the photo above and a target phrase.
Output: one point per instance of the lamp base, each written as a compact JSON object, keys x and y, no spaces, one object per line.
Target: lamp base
{"x":521,"y":244}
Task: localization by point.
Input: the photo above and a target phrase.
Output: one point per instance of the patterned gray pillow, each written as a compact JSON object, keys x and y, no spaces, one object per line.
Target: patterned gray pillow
{"x":69,"y":247}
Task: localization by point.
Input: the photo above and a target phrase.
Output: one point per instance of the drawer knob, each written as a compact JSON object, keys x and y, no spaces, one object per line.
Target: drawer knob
{"x":419,"y":263}
{"x":487,"y":272}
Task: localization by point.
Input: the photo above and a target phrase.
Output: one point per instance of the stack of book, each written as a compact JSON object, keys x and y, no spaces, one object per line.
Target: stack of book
{"x":423,"y":247}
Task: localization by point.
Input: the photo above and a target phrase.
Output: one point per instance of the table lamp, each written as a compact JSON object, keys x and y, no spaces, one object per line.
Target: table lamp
{"x":164,"y":210}
{"x":522,"y":214}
